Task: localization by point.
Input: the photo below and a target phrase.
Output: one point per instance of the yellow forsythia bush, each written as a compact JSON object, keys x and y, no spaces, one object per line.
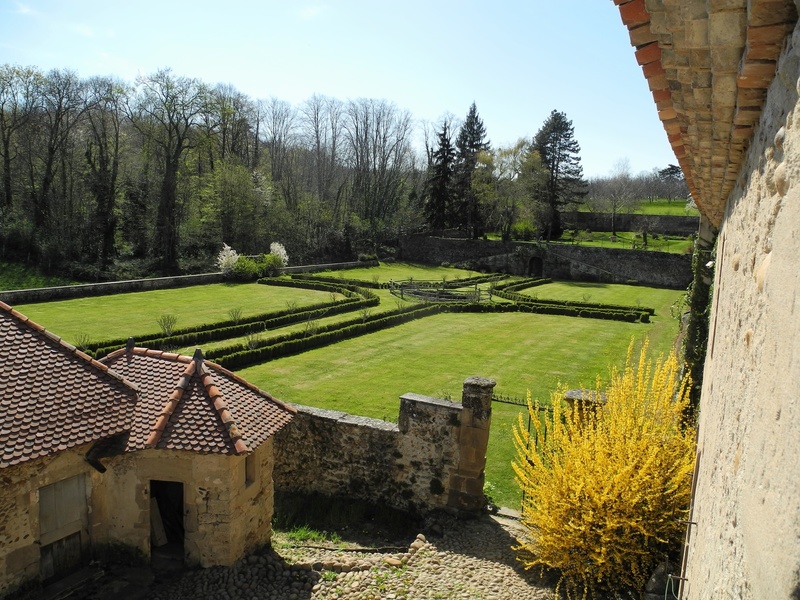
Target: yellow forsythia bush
{"x":604,"y":490}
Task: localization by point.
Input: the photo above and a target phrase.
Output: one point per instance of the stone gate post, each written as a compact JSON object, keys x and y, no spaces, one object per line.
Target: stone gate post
{"x":466,"y":481}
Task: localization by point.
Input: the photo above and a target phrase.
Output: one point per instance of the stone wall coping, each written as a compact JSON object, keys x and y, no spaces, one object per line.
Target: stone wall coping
{"x":419,"y":398}
{"x":344,"y":418}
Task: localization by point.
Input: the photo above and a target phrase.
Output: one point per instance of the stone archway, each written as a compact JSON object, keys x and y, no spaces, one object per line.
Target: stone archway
{"x":535,"y":267}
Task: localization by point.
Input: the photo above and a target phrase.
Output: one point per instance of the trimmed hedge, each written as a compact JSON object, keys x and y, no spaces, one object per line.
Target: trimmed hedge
{"x":187,"y":336}
{"x":453,"y":283}
{"x":521,"y":284}
{"x":552,"y":309}
{"x":521,"y":298}
{"x":301,"y":342}
{"x":340,"y":281}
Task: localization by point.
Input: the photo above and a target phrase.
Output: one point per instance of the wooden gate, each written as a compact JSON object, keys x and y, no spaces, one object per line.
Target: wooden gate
{"x":63,"y":526}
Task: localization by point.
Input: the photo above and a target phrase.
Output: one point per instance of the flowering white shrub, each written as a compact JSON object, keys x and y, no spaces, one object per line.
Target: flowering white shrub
{"x":277,"y":249}
{"x":226,"y":259}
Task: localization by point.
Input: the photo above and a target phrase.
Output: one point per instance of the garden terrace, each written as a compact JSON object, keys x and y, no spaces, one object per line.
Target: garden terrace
{"x":357,"y":349}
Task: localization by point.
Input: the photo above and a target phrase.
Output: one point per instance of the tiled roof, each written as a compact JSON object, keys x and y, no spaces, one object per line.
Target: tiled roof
{"x":708,"y":66}
{"x":195,"y":405}
{"x":52,"y":396}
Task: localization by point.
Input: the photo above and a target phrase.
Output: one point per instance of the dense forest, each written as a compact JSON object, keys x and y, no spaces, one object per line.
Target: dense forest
{"x":106,"y":179}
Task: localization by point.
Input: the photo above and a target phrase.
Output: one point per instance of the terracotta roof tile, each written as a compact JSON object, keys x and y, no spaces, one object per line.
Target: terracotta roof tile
{"x":53,"y":397}
{"x":196,"y":405}
{"x":705,"y":61}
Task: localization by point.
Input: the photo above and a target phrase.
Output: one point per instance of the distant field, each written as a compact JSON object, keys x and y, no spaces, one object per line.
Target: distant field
{"x":677,"y":207}
{"x":107,"y":317}
{"x":662,"y":206}
{"x":627,"y":240}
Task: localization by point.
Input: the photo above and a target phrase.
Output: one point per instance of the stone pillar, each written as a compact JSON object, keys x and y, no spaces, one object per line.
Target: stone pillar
{"x":586,"y":402}
{"x":466,"y":480}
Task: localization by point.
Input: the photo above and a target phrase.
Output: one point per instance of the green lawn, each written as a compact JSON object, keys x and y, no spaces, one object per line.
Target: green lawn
{"x":108,"y":317}
{"x":401,"y":270}
{"x":627,"y":240}
{"x":430,"y":356}
{"x":661,"y":206}
{"x":433,"y":356}
{"x":676,"y":207}
{"x":604,"y":293}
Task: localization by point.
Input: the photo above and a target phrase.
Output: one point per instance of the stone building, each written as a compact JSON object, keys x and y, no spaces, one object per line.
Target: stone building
{"x":725,"y":78}
{"x":152,"y":450}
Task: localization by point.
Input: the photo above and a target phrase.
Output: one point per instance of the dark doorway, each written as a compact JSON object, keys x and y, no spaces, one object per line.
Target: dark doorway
{"x":166,"y":523}
{"x":535,"y":267}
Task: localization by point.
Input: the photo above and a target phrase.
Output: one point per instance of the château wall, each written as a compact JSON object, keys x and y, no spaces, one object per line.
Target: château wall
{"x":745,"y":540}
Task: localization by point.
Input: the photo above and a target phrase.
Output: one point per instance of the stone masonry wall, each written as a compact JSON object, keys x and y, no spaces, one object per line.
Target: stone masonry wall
{"x":666,"y":224}
{"x":559,"y":261}
{"x":746,"y":541}
{"x":433,"y":458}
{"x":85,"y":290}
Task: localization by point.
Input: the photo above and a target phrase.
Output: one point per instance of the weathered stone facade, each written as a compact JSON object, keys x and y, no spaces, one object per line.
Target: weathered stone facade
{"x":226,"y":514}
{"x":746,"y":541}
{"x":433,"y":458}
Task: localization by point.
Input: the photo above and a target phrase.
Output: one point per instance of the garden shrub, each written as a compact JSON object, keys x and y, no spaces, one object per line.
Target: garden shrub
{"x":245,"y":269}
{"x":524,"y":230}
{"x":605,"y":490}
{"x":270,"y":265}
{"x":277,"y":250}
{"x":226,"y":260}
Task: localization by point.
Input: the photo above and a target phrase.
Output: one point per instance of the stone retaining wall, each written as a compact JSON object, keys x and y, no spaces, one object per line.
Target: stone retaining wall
{"x":665,"y":224}
{"x":433,"y":458}
{"x":14,"y":297}
{"x":85,"y":290}
{"x":559,"y":261}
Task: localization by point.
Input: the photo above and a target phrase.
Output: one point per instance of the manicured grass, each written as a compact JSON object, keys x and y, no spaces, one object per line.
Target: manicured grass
{"x":108,"y":317}
{"x":628,"y":240}
{"x":662,"y":206}
{"x":603,"y":293}
{"x":400,"y":270}
{"x":433,"y":356}
{"x":16,"y":276}
{"x":388,"y":303}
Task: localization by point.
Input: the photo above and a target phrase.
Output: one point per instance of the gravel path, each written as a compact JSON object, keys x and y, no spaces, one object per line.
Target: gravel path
{"x":468,"y":559}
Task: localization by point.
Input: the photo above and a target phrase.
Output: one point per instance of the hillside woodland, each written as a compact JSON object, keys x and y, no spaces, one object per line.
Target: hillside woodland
{"x":106,"y":179}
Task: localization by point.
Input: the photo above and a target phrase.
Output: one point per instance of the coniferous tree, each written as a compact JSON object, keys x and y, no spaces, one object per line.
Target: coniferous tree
{"x":441,"y":178}
{"x":560,"y":154}
{"x":470,"y":143}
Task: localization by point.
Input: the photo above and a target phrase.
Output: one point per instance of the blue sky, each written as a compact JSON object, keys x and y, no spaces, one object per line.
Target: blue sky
{"x":516,"y":59}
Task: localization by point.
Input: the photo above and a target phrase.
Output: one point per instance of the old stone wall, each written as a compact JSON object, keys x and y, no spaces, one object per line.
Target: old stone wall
{"x":746,"y":541}
{"x":433,"y":458}
{"x":103,"y":289}
{"x":559,"y":261}
{"x":20,"y":542}
{"x":666,"y":224}
{"x":225,"y":513}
